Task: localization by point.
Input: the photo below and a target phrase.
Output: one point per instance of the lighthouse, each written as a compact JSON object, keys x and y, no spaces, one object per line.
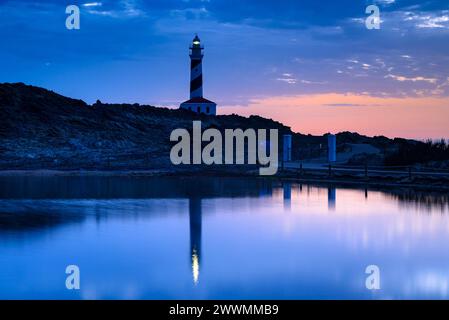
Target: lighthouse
{"x":197,"y":103}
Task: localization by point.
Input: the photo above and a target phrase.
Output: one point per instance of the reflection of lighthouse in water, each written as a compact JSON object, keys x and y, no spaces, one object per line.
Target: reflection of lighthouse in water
{"x":331,"y":198}
{"x":195,"y":236}
{"x":287,"y":188}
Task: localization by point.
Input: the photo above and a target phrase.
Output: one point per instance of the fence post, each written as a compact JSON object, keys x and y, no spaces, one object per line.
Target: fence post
{"x":330,"y":169}
{"x":300,"y":169}
{"x":366,"y":170}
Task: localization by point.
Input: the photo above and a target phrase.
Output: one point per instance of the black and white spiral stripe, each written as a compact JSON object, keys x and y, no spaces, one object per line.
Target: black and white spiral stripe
{"x":196,"y":79}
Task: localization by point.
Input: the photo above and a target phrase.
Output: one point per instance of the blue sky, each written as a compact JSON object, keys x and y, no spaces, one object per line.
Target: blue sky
{"x":137,"y":51}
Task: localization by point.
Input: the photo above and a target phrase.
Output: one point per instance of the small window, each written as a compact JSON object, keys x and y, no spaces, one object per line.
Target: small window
{"x":198,"y":109}
{"x":207,"y":110}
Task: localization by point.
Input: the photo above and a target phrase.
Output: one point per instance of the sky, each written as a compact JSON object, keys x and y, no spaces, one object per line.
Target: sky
{"x":312,"y":65}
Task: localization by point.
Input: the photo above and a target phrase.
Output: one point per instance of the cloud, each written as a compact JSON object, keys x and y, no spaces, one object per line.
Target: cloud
{"x":92,"y":4}
{"x":124,"y":9}
{"x":414,"y":79}
{"x":291,"y":79}
{"x":427,"y":20}
{"x":406,"y":19}
{"x":366,"y":66}
{"x":288,"y":80}
{"x":349,"y":105}
{"x":440,"y":89}
{"x":384,"y":2}
{"x":313,"y":82}
{"x":107,"y":13}
{"x":434,"y":22}
{"x":190,"y":13}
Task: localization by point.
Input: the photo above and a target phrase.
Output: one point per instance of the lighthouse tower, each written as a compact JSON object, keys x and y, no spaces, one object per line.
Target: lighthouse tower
{"x":197,"y":102}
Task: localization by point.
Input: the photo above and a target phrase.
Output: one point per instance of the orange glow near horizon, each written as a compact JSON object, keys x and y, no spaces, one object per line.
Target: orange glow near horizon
{"x":408,"y":117}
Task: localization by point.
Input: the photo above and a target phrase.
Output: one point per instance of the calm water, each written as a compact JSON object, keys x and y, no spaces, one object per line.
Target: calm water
{"x":167,"y":238}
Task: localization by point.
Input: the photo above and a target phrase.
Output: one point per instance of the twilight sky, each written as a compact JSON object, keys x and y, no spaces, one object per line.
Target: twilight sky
{"x":310,"y":64}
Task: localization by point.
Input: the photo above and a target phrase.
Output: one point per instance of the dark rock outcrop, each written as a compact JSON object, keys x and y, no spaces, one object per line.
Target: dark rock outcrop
{"x":40,"y":129}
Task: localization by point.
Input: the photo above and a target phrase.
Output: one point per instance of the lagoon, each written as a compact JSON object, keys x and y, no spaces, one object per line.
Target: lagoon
{"x":218,"y":238}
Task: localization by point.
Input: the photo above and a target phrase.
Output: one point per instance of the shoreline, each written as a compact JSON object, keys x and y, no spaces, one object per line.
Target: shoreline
{"x":346,"y":181}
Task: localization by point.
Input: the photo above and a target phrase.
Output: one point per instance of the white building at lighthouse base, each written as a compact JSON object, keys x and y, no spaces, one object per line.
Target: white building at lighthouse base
{"x":200,"y":105}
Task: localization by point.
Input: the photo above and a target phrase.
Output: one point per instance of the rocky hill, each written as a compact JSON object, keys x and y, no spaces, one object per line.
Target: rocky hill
{"x":40,"y":129}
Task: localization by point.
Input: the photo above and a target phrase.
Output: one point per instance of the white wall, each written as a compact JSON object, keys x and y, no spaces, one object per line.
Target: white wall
{"x":201,"y":107}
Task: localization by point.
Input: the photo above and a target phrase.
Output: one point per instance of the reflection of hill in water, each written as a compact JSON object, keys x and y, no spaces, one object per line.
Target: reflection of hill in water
{"x":89,"y":187}
{"x":421,"y":200}
{"x":36,"y":203}
{"x":18,"y":216}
